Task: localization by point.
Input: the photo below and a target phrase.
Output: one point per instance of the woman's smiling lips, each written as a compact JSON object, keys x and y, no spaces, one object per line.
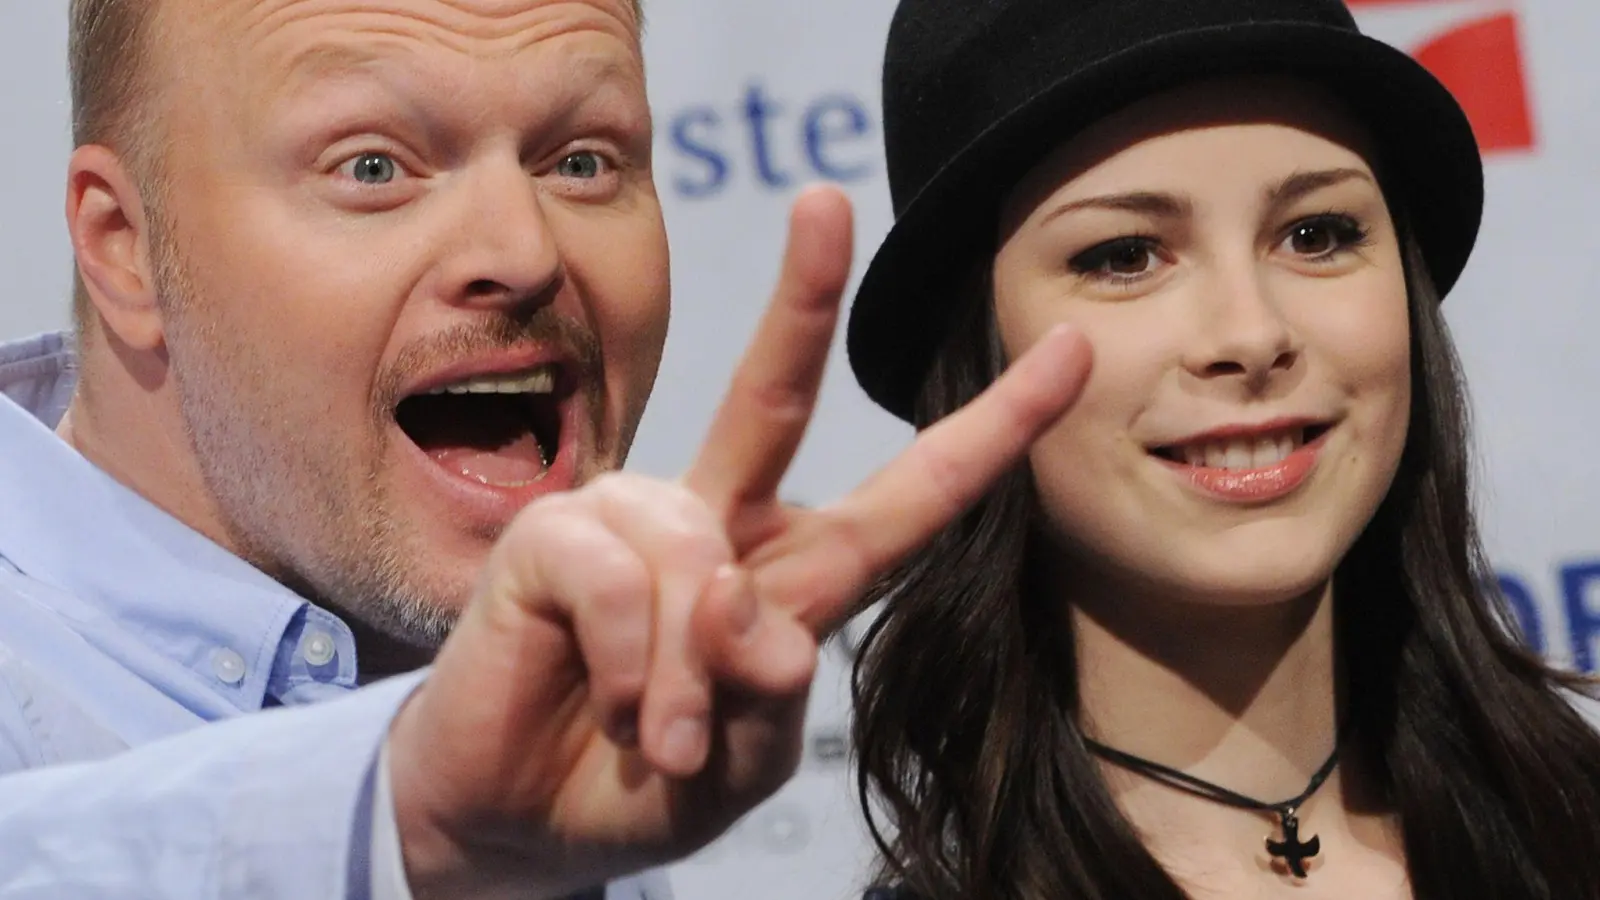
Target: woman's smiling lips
{"x":1254,"y":463}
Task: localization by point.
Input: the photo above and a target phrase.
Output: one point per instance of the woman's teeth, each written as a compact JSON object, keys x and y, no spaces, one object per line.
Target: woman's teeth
{"x":1243,"y":453}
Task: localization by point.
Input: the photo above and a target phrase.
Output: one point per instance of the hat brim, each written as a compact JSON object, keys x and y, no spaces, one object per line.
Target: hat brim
{"x":1424,"y":142}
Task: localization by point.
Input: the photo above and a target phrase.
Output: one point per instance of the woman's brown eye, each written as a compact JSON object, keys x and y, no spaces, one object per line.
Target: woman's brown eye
{"x":1121,"y":258}
{"x":1313,"y":239}
{"x":1129,"y":260}
{"x":1325,"y":236}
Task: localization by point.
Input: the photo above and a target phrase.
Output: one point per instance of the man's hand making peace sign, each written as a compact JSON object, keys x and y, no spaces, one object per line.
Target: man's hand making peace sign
{"x":633,"y":674}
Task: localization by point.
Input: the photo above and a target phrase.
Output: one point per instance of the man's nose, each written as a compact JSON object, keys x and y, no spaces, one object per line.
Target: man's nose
{"x":506,"y":254}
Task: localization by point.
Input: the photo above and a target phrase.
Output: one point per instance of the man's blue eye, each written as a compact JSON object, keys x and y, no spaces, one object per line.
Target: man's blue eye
{"x":579,"y":165}
{"x":373,"y":168}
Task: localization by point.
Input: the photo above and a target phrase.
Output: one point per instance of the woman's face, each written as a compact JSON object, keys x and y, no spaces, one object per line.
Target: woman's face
{"x":1228,"y":253}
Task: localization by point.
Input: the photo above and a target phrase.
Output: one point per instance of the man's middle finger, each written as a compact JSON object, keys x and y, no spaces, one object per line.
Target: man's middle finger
{"x":769,"y":402}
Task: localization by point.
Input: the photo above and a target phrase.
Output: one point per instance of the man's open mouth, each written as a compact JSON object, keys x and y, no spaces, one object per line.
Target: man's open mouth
{"x":501,"y":430}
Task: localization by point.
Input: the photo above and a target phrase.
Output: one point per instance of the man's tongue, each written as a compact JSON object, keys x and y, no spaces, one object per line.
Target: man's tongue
{"x":512,"y":465}
{"x":486,"y":438}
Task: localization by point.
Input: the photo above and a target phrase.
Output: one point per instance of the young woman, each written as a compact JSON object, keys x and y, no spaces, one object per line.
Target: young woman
{"x":1228,"y":634}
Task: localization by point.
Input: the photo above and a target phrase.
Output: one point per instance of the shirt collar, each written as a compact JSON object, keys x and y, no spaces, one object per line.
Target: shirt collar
{"x":133,"y":567}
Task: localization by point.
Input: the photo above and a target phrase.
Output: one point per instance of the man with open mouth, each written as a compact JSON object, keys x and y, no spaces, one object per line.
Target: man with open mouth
{"x":370,"y":297}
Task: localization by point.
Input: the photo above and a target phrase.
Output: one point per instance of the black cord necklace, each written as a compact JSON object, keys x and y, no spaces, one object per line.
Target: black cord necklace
{"x":1293,"y":851}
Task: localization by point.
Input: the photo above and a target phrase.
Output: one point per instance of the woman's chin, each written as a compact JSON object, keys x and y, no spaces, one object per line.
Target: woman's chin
{"x":1250,"y":582}
{"x":1240,"y":581}
{"x":1258,"y":566}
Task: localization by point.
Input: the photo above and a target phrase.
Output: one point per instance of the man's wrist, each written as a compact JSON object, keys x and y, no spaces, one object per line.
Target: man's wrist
{"x":435,"y":863}
{"x":387,"y":874}
{"x":429,"y":862}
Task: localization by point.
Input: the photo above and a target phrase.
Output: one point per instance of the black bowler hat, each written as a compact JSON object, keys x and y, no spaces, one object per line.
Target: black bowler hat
{"x":977,"y":92}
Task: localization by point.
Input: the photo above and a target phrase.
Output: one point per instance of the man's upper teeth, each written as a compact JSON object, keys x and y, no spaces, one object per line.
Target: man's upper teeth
{"x":1244,"y":453}
{"x":535,"y":381}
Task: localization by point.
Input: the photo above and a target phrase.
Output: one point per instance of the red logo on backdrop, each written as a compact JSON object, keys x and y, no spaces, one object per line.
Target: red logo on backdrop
{"x":1480,"y":61}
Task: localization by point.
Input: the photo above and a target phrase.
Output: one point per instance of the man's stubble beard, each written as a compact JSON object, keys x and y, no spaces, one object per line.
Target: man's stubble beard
{"x":286,"y":503}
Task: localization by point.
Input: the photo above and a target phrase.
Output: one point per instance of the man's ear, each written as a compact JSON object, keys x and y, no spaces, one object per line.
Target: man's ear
{"x":110,"y":238}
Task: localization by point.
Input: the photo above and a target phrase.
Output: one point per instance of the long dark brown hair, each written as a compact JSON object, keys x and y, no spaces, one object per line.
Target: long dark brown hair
{"x":966,"y":732}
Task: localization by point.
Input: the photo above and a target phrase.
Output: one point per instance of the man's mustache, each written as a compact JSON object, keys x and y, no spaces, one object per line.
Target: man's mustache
{"x":576,"y":343}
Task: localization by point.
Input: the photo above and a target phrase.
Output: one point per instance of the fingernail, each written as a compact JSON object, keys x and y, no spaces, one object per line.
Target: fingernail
{"x":682,"y":739}
{"x":742,"y":609}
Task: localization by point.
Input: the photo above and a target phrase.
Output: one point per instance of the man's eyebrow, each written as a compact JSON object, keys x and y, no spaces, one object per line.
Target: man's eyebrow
{"x":331,"y":59}
{"x":586,"y":74}
{"x":326,"y":59}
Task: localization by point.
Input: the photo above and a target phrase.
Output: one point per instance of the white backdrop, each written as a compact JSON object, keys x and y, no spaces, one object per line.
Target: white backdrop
{"x":755,"y":98}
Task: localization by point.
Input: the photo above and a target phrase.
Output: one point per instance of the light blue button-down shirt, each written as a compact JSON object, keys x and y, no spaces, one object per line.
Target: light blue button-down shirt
{"x":122,"y":631}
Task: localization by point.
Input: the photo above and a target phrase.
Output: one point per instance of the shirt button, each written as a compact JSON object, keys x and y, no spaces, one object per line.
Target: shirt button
{"x":228,"y":666}
{"x":318,"y":648}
